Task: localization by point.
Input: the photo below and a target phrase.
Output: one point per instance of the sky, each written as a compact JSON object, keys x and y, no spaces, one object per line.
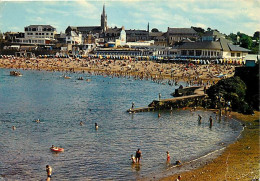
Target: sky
{"x":227,"y":16}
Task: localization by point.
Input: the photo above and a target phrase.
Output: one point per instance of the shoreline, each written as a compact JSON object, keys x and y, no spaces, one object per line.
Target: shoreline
{"x":236,"y":161}
{"x":194,"y":164}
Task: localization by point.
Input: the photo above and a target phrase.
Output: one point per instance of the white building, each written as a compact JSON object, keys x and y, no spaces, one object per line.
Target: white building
{"x":74,"y":38}
{"x":38,"y":34}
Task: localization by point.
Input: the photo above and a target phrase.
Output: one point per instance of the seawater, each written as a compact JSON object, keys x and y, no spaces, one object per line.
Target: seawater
{"x":91,"y":154}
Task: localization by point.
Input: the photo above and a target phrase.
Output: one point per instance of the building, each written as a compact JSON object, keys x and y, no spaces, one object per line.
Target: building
{"x":212,"y":35}
{"x":14,"y":37}
{"x":220,"y":49}
{"x":38,"y":34}
{"x":104,"y":20}
{"x":137,"y":35}
{"x":175,"y":35}
{"x":111,"y":34}
{"x":74,"y":38}
{"x":159,"y":38}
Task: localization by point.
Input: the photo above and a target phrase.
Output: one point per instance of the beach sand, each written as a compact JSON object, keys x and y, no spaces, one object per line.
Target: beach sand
{"x":140,"y":68}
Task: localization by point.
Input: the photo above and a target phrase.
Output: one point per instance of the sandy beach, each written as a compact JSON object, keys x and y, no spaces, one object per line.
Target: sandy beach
{"x":195,"y":73}
{"x":239,"y":161}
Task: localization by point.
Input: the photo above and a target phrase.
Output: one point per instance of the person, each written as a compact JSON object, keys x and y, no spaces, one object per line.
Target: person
{"x":49,"y":172}
{"x":168,"y":156}
{"x":96,"y":126}
{"x":13,"y":127}
{"x":81,"y":123}
{"x":133,"y":105}
{"x":210,"y":121}
{"x":133,"y":159}
{"x":179,"y":178}
{"x":138,"y":155}
{"x":160,"y":96}
{"x":199,"y":119}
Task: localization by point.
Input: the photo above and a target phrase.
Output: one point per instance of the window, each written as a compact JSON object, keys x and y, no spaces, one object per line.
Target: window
{"x":232,"y":54}
{"x":198,"y":52}
{"x":36,"y":33}
{"x":47,"y":33}
{"x":238,"y":54}
{"x":51,"y":33}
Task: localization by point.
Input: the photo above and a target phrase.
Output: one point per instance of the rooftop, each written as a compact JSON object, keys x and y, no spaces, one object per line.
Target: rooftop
{"x":181,"y":30}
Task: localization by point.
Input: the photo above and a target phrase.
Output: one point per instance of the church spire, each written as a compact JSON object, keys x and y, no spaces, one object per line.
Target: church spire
{"x":104,"y":12}
{"x":104,"y":19}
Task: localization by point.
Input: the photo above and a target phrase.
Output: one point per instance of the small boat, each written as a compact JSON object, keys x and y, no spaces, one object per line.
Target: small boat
{"x":57,"y":149}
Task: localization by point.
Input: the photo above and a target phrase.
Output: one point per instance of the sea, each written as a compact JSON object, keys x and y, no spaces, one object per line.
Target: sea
{"x":103,"y":154}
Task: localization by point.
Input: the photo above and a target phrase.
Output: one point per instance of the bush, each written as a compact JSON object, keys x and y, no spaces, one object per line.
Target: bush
{"x":232,"y":89}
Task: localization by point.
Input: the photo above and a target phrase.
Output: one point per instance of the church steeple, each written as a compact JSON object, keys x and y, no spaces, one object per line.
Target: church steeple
{"x":104,"y":19}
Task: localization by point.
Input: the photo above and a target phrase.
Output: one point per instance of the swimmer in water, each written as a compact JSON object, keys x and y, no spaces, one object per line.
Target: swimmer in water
{"x":49,"y":172}
{"x":168,"y":156}
{"x":96,"y":126}
{"x":13,"y":127}
{"x":133,"y":159}
{"x":199,"y":119}
{"x":138,"y":155}
{"x":81,"y":123}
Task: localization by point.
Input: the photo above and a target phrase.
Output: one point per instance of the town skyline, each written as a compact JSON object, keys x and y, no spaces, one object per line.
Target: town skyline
{"x":15,"y":15}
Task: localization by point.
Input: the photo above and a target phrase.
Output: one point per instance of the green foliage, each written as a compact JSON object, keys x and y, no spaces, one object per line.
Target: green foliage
{"x":232,"y":89}
{"x":246,"y":41}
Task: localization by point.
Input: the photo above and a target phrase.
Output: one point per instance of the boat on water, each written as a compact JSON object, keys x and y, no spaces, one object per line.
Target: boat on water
{"x":16,"y":73}
{"x":57,"y":149}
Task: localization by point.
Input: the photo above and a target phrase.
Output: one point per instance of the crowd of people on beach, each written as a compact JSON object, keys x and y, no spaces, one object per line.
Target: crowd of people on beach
{"x":193,"y":74}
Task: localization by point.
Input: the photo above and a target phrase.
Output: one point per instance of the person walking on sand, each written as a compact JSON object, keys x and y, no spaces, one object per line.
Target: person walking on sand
{"x":138,"y":155}
{"x":49,"y":172}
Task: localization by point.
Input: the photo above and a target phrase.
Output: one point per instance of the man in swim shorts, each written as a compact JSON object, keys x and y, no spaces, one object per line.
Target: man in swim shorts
{"x":138,"y":155}
{"x":49,"y":171}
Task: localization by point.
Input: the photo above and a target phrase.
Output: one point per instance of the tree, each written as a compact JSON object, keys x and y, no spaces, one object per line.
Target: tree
{"x":155,"y":30}
{"x":232,"y":89}
{"x":246,"y":41}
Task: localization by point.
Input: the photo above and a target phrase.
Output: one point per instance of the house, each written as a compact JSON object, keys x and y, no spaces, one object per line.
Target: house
{"x":137,"y":35}
{"x":38,"y":34}
{"x":74,"y":38}
{"x":159,"y":38}
{"x":175,"y":35}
